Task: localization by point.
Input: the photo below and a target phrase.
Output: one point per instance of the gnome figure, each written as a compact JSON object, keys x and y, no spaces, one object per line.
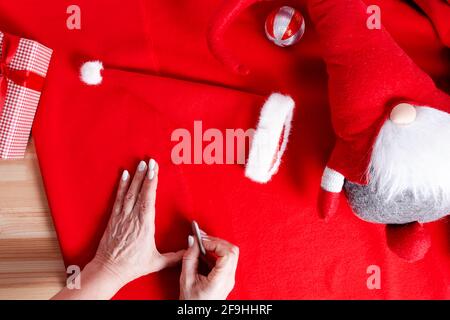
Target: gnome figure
{"x":392,"y":125}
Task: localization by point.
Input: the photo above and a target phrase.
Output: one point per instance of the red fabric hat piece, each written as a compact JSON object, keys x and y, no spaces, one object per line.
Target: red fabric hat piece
{"x":114,"y":139}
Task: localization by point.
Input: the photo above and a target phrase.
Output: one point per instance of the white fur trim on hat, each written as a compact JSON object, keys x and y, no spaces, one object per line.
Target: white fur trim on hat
{"x":90,"y":72}
{"x":332,"y":181}
{"x":265,"y":150}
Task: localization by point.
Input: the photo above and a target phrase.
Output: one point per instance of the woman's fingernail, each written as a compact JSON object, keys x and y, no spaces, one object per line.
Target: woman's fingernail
{"x":190,"y":241}
{"x":203,"y":233}
{"x":125,"y":175}
{"x":152,"y":164}
{"x":141,"y":166}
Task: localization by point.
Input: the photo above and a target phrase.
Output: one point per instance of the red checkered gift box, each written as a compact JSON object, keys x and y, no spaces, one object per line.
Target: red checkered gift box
{"x":23,"y":67}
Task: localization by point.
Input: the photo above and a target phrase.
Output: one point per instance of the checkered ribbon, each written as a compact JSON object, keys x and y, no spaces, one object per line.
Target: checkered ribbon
{"x":23,"y":66}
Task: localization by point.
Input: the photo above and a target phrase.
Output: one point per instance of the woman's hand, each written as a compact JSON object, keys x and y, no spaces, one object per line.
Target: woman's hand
{"x":220,"y":281}
{"x":127,"y":249}
{"x":128,"y":246}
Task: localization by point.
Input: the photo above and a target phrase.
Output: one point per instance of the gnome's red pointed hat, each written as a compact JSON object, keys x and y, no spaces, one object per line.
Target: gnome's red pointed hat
{"x":438,"y":11}
{"x":369,"y":75}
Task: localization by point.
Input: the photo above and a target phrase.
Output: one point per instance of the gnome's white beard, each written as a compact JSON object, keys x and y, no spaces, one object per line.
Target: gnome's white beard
{"x":413,"y":158}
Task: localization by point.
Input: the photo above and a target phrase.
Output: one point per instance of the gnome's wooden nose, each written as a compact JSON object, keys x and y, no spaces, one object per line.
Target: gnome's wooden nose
{"x":403,"y":113}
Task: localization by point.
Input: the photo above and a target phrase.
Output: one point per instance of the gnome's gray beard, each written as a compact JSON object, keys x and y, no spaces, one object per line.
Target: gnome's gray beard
{"x":409,"y":173}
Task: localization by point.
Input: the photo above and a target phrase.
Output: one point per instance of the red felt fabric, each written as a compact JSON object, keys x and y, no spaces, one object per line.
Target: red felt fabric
{"x":167,"y":79}
{"x":438,"y":11}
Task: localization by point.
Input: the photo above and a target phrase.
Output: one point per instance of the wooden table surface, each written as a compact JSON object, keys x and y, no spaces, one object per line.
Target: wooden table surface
{"x":31,"y":266}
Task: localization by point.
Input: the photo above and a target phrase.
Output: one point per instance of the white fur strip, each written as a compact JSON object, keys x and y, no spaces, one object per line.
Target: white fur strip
{"x":413,"y":158}
{"x":332,"y":181}
{"x":265,"y":151}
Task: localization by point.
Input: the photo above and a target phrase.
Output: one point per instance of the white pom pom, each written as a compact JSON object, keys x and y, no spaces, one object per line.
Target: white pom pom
{"x":90,"y":72}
